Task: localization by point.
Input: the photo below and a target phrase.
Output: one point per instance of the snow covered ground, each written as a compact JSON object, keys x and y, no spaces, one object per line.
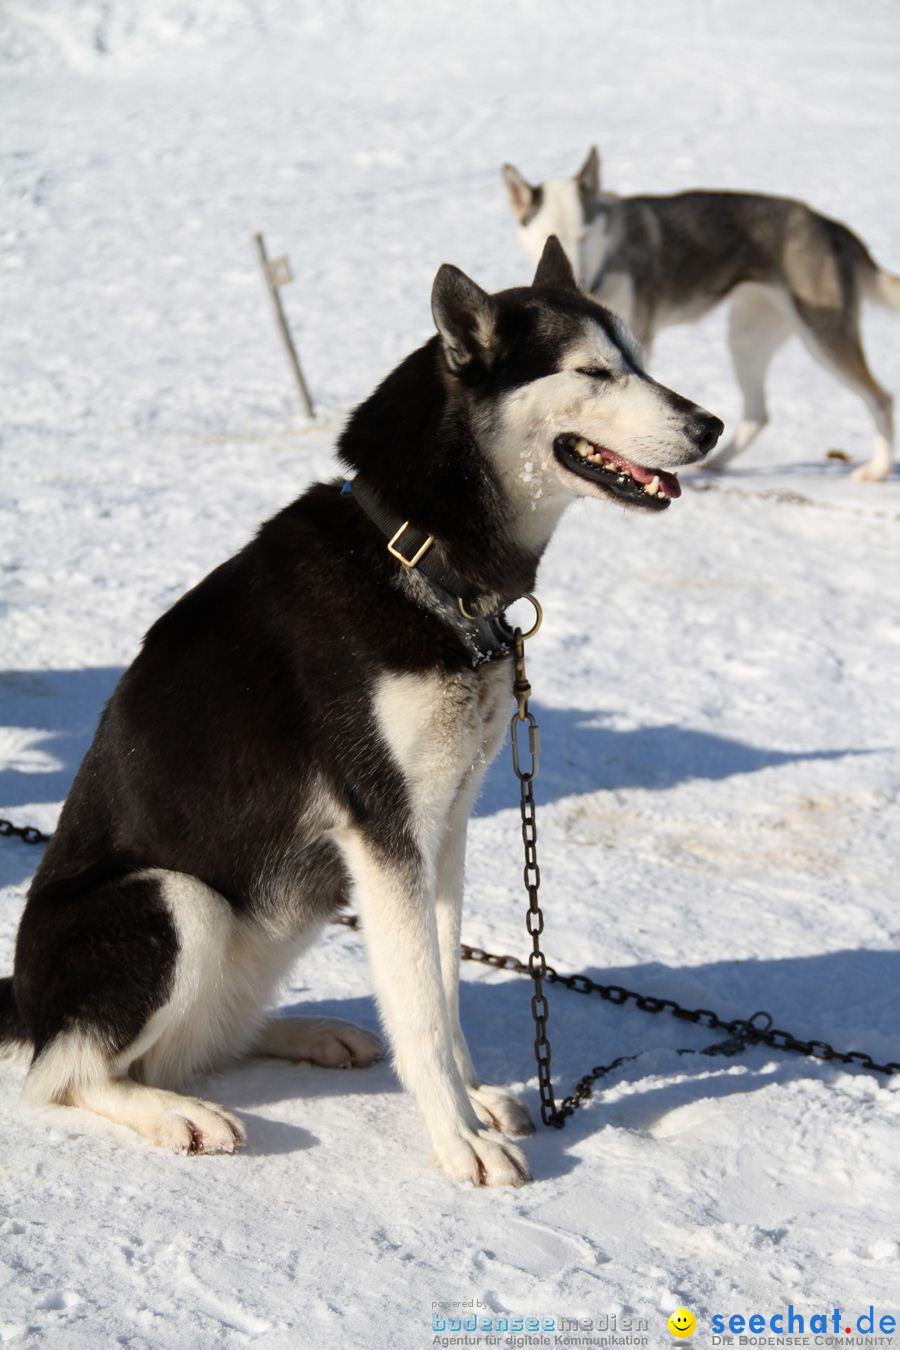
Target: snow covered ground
{"x":719,"y":688}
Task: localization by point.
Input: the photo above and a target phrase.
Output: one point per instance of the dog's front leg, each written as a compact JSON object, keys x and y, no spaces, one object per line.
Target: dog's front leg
{"x":396,"y":901}
{"x":495,"y":1106}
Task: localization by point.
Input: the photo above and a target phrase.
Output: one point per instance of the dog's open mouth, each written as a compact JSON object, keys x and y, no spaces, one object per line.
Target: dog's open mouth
{"x":653,"y":488}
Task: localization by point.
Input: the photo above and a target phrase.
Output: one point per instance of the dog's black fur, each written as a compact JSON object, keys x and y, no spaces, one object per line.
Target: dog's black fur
{"x":252,"y":690}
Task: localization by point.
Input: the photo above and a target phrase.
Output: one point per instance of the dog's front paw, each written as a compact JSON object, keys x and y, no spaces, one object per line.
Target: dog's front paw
{"x":501,"y":1110}
{"x":193,"y":1126}
{"x":481,"y":1161}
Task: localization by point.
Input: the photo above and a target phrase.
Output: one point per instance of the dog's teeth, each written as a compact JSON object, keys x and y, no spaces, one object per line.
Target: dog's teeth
{"x":584,"y":448}
{"x":653,"y":486}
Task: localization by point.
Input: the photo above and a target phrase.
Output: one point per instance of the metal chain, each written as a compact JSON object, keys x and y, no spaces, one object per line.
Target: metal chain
{"x":741,"y":1032}
{"x":537,"y":967}
{"x":30,"y":834}
{"x":526,"y":772}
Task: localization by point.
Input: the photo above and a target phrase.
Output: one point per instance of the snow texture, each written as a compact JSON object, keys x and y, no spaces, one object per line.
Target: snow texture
{"x":718,"y":688}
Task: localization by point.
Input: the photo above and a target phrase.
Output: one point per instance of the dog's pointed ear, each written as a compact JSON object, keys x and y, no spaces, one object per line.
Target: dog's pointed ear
{"x":554,"y":268}
{"x":465,"y":317}
{"x":521,"y":193}
{"x":588,"y":176}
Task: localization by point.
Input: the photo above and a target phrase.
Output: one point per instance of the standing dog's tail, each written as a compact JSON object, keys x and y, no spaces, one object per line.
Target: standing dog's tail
{"x":14,"y":1040}
{"x":883,"y":287}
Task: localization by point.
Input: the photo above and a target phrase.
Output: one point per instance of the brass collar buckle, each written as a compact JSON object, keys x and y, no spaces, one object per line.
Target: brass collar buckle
{"x":419,"y":554}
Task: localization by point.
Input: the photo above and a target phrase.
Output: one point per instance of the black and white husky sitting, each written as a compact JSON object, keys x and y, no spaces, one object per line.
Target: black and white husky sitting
{"x":666,"y":260}
{"x":313,"y":720}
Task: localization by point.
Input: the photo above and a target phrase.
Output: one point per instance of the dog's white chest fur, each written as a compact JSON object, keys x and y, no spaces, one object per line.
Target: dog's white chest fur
{"x":443,"y":730}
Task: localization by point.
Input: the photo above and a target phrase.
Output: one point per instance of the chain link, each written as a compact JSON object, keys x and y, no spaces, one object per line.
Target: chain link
{"x":526,"y":770}
{"x":29,"y":834}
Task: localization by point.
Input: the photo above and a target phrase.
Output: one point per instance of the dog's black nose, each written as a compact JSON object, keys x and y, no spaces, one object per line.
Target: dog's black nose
{"x":705,"y":430}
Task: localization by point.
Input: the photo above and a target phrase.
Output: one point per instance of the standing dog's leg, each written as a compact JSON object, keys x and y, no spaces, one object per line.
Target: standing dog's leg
{"x":832,"y":336}
{"x":757,"y":327}
{"x":495,"y":1106}
{"x":396,"y":899}
{"x":881,"y":406}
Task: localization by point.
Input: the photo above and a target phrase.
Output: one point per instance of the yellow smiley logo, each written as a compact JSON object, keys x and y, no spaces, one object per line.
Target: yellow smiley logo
{"x":682,"y":1323}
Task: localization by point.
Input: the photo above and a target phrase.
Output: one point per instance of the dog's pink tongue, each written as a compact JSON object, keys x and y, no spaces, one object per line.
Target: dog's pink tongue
{"x":636,"y":471}
{"x":669,"y":485}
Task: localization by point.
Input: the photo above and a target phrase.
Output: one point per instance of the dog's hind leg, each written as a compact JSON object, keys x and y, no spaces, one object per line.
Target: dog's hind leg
{"x":757,"y":326}
{"x":125,"y":986}
{"x":833,"y":338}
{"x":494,"y":1106}
{"x":395,"y":892}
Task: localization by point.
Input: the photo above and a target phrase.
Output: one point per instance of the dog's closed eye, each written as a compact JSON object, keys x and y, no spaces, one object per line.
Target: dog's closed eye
{"x":594,"y":372}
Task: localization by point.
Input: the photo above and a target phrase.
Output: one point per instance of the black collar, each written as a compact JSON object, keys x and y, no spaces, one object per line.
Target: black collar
{"x":485,"y":637}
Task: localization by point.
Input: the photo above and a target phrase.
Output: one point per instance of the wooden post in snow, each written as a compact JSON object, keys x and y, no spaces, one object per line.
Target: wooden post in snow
{"x":277,"y":272}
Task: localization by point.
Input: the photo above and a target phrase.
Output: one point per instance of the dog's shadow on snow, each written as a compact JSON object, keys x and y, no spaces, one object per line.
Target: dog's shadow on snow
{"x":838,"y":997}
{"x":56,"y":713}
{"x":581,"y":751}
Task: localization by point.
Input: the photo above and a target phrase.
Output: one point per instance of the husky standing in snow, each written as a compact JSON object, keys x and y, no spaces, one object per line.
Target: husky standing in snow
{"x":665,"y":260}
{"x":314,"y":719}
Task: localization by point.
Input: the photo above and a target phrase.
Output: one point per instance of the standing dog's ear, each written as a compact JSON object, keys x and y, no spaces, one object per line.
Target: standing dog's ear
{"x":465,"y":316}
{"x":554,"y":269}
{"x":521,"y":193}
{"x":588,"y":176}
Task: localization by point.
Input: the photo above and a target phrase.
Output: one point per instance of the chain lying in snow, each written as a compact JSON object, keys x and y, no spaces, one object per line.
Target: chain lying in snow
{"x":742,"y":1033}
